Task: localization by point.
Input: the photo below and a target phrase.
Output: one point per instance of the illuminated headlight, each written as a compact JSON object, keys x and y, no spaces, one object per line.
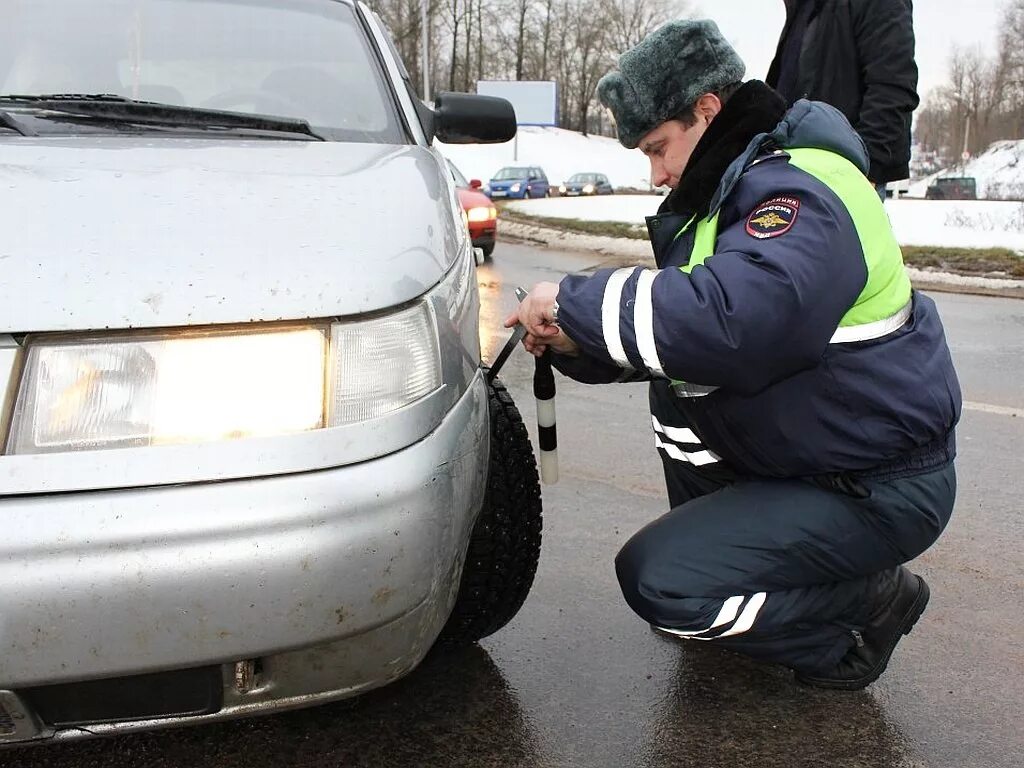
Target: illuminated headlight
{"x":516,"y":187}
{"x":482,"y":213}
{"x":561,"y":189}
{"x":149,"y":388}
{"x":588,"y":189}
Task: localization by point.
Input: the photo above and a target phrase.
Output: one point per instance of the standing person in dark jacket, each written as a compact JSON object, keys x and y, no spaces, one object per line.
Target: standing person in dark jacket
{"x":858,"y":56}
{"x":802,"y":395}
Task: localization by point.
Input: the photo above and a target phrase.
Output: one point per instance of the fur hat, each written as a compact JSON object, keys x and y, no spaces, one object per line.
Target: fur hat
{"x":665,"y":73}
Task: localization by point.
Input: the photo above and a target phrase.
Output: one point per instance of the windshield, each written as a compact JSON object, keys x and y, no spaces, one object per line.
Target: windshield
{"x":583,"y":178}
{"x":305,"y":59}
{"x":512,"y":173}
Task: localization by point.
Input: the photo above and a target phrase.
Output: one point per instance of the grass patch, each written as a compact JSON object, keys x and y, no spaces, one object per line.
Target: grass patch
{"x":967,"y":261}
{"x":604,"y":228}
{"x":964,"y":261}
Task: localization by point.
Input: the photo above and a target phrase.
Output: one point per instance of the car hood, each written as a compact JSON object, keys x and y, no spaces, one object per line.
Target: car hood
{"x":129,"y":232}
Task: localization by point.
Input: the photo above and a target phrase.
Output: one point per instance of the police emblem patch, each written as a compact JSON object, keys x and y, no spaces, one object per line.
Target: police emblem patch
{"x":773,"y":217}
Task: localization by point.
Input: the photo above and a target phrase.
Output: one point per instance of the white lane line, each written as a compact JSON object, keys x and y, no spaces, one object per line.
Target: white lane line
{"x":1002,"y":410}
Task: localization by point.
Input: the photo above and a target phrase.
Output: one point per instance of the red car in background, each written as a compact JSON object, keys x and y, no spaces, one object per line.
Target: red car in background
{"x":478,"y":212}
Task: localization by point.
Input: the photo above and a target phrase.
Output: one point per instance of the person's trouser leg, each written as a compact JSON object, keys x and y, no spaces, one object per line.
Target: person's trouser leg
{"x":781,"y":570}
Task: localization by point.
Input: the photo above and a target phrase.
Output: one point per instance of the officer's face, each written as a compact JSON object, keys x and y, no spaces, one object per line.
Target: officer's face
{"x":670,"y":145}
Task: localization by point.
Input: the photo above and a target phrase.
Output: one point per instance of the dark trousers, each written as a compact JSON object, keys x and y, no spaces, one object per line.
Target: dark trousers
{"x":780,"y":570}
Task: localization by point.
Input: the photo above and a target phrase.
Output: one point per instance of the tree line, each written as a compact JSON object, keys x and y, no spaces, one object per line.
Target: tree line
{"x":573,"y":42}
{"x":982,"y":101}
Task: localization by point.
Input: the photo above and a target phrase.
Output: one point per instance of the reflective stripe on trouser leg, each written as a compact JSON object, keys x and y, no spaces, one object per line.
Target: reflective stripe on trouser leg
{"x":814,"y":554}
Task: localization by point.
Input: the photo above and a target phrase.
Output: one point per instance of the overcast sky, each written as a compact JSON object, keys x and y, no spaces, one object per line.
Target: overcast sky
{"x":753,"y":27}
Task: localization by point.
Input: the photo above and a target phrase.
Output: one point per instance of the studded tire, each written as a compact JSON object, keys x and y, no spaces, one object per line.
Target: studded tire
{"x":505,"y":544}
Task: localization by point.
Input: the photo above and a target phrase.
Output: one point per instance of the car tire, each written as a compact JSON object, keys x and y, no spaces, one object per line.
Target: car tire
{"x":505,"y":544}
{"x":526,"y":194}
{"x":488,"y":249}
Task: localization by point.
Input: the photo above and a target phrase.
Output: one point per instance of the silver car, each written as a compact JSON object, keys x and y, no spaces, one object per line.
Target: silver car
{"x":251,"y":460}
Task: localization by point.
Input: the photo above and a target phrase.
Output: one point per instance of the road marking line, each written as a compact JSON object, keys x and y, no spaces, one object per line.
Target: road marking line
{"x":1002,"y":410}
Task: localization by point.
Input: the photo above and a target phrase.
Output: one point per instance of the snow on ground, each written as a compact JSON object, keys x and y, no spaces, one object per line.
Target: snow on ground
{"x":963,"y":223}
{"x":560,"y":153}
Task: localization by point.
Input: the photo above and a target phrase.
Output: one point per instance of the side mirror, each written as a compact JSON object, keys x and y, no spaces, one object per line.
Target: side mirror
{"x":466,"y":118}
{"x":475,"y":183}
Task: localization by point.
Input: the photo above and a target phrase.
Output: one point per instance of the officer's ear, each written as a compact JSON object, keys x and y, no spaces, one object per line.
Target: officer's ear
{"x":707,"y":107}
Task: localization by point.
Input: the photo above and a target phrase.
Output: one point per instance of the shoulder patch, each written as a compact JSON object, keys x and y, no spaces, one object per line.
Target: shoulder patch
{"x":773,"y":217}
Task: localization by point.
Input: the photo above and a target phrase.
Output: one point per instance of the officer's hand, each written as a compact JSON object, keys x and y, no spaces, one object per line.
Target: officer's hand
{"x":536,"y":313}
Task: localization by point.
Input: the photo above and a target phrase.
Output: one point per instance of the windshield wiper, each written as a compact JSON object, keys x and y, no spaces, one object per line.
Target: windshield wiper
{"x":103,"y":106}
{"x":10,"y":121}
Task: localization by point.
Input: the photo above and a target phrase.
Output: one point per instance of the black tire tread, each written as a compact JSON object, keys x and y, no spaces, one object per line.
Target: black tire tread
{"x":505,"y":544}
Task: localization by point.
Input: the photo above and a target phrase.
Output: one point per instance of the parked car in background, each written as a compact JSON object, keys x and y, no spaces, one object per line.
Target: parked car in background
{"x":586,"y":184}
{"x":952,"y":188}
{"x":478,"y":211}
{"x":250,"y":458}
{"x":519,"y":182}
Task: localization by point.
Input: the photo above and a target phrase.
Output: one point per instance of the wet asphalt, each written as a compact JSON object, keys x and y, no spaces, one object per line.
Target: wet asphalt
{"x":576,"y":680}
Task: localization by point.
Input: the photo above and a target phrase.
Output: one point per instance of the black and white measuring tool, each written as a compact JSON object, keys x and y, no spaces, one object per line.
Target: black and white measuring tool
{"x":544,"y":393}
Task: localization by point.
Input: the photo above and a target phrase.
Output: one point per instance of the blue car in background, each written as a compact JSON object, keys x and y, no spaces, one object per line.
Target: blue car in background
{"x":518,"y":182}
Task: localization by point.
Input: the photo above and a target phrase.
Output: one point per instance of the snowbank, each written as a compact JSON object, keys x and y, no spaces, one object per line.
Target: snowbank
{"x":961,"y":223}
{"x":560,"y":153}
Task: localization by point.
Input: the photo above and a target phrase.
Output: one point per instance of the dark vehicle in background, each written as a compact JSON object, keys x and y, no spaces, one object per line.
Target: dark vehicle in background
{"x":952,"y":188}
{"x":518,"y":182}
{"x":478,"y":211}
{"x":586,"y":184}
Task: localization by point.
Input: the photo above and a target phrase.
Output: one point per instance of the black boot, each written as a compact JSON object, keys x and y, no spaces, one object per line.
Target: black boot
{"x":903,"y":603}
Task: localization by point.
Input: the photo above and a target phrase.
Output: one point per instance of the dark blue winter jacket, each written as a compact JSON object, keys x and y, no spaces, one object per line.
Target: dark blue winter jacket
{"x":779,"y":331}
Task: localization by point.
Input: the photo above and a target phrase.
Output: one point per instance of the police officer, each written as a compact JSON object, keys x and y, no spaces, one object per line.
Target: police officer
{"x":802,"y":395}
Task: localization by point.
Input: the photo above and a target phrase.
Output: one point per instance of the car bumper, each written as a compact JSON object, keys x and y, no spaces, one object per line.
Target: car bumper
{"x":328,"y":583}
{"x":484,"y":233}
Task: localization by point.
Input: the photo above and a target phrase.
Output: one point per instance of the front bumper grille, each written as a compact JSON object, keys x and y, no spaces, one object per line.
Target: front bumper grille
{"x":181,"y":693}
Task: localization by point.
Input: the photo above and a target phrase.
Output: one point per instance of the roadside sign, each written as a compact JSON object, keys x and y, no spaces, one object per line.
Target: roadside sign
{"x":535,"y":101}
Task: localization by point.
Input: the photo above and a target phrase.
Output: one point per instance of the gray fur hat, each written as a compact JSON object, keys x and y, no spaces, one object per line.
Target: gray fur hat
{"x":665,"y":73}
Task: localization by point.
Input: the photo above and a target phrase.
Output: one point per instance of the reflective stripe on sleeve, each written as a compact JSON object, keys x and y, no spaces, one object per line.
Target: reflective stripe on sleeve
{"x":875,"y":330}
{"x":610,"y":316}
{"x":643,"y":322}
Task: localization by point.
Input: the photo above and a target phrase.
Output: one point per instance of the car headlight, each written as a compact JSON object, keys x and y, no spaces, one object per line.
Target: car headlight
{"x":482,"y":213}
{"x":516,"y":187}
{"x":588,"y":189}
{"x":561,"y":189}
{"x":383,"y":364}
{"x":157,"y":389}
{"x":125,"y":390}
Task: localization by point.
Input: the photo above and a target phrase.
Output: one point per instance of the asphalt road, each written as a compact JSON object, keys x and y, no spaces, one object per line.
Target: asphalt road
{"x":577,"y":680}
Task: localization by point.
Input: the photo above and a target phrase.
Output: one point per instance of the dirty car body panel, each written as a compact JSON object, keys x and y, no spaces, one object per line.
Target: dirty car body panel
{"x":299,"y":561}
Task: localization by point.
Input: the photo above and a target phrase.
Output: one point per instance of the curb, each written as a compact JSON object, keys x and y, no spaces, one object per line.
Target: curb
{"x":621,"y":251}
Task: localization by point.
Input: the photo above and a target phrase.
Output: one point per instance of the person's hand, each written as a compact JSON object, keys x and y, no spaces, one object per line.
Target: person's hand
{"x":537,"y":314}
